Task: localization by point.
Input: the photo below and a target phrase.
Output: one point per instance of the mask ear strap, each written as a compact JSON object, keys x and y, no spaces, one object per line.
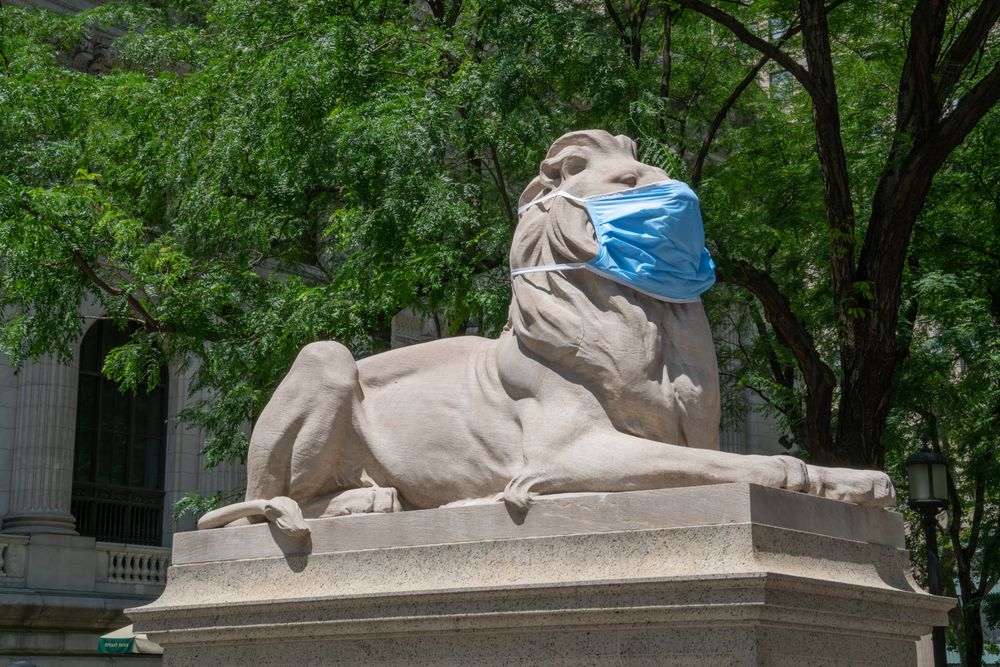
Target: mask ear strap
{"x":543,"y":198}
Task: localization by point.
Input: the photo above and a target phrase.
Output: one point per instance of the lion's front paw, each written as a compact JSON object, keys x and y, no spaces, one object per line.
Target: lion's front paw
{"x":778,"y":472}
{"x":870,"y":488}
{"x":795,"y":471}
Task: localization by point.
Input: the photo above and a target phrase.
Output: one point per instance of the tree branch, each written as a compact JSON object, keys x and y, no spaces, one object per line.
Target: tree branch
{"x":631,"y":34}
{"x":502,"y":185}
{"x":614,"y":16}
{"x":665,"y":71}
{"x":610,"y":8}
{"x":91,"y":274}
{"x":832,"y":157}
{"x":772,"y":358}
{"x":918,"y":106}
{"x":955,"y":521}
{"x":446,"y":18}
{"x":902,"y":191}
{"x":903,"y":187}
{"x":456,"y":9}
{"x":713,"y":127}
{"x":746,"y":36}
{"x":818,"y":377}
{"x":905,"y":337}
{"x":965,"y":46}
{"x":967,"y":113}
{"x":820,"y":83}
{"x":148,"y":319}
{"x":778,"y":312}
{"x":975,"y":527}
{"x":727,"y":105}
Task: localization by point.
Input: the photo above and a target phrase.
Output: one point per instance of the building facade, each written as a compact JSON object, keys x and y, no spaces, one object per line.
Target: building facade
{"x":88,"y":478}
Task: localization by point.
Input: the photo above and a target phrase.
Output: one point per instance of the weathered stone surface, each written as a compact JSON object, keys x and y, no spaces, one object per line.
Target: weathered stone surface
{"x":731,"y":574}
{"x":591,"y":386}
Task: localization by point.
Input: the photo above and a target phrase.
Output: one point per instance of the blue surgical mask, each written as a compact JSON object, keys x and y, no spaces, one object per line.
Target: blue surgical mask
{"x":649,"y":238}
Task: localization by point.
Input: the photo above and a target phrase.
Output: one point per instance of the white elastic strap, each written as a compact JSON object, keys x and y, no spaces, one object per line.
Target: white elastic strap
{"x":582,"y":200}
{"x":564,"y":267}
{"x":557,"y":193}
{"x":546,"y":267}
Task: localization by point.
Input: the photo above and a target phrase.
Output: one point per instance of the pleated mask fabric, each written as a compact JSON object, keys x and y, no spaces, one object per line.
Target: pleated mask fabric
{"x":650,"y":238}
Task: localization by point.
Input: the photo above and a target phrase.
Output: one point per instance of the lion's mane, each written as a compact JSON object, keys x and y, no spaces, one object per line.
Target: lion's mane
{"x":652,"y":363}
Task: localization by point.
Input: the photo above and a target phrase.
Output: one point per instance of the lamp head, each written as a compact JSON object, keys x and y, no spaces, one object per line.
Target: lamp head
{"x":927,"y":472}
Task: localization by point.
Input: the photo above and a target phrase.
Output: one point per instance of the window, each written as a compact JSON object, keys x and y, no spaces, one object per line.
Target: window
{"x":120,"y":445}
{"x":781,"y":85}
{"x":776,"y":28}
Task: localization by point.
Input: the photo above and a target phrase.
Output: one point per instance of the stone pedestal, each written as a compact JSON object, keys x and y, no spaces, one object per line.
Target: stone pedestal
{"x":732,"y":574}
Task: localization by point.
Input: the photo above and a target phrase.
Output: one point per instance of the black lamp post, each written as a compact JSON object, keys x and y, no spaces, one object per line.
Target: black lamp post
{"x":928,"y":481}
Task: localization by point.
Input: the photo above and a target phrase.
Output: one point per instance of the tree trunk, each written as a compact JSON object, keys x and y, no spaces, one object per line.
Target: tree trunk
{"x":972,"y":633}
{"x":818,"y":377}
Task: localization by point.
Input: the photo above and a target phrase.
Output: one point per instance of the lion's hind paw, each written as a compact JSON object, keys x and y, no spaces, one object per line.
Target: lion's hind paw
{"x":286,"y":514}
{"x":364,"y":500}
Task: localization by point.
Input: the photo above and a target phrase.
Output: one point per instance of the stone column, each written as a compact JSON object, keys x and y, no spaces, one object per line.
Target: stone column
{"x":43,"y":449}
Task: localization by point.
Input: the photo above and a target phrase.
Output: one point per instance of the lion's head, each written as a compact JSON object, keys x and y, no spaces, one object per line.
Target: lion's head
{"x":583,"y":163}
{"x":650,"y":363}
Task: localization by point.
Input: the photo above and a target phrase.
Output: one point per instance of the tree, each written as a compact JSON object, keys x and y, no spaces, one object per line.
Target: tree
{"x":257,"y":175}
{"x":935,"y":310}
{"x":949,"y":386}
{"x":949,"y":80}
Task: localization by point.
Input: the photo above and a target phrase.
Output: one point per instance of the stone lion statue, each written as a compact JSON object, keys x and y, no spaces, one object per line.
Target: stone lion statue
{"x":592,"y":386}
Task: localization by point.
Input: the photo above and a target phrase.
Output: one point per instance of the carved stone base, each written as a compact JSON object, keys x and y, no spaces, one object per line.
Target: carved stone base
{"x":732,"y":574}
{"x":26,"y":523}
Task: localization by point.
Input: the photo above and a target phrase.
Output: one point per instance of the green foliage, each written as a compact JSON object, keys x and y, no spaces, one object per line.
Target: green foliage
{"x":948,"y":392}
{"x":254,"y":176}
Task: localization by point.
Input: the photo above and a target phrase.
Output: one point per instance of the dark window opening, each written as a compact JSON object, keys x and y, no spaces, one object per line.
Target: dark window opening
{"x":120,"y":448}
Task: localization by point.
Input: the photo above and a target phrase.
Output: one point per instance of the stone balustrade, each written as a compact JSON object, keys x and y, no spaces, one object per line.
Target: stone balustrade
{"x":122,"y":569}
{"x":129,"y":564}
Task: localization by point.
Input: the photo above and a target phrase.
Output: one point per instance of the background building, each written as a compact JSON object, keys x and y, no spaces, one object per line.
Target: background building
{"x":88,"y":477}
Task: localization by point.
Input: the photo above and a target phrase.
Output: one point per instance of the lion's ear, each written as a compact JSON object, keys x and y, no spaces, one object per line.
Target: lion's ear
{"x":551,"y":174}
{"x":548,"y":180}
{"x":565,"y":164}
{"x":628,"y":145}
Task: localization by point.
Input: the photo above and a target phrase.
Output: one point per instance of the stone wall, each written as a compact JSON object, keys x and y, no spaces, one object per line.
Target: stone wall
{"x":95,"y":52}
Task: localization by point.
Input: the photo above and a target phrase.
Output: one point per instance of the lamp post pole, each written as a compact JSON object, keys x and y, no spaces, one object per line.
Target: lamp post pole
{"x":927,"y":472}
{"x":934,"y":581}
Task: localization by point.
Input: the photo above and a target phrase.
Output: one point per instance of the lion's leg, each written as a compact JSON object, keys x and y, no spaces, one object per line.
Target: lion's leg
{"x":304,"y":443}
{"x":619,"y":462}
{"x":364,"y":500}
